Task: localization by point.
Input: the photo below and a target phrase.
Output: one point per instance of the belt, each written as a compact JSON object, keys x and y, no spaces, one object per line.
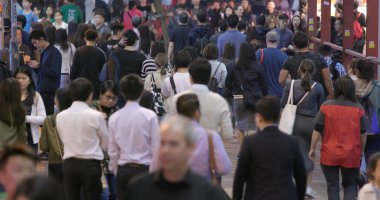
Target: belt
{"x":65,"y":74}
{"x":134,"y":165}
{"x":81,"y":159}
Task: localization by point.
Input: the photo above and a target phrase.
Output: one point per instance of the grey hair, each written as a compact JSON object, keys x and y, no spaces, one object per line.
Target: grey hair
{"x":272,"y":37}
{"x":182,"y":125}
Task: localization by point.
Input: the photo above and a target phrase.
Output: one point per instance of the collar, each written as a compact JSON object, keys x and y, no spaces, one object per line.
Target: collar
{"x":132,"y":104}
{"x":199,"y":86}
{"x":79,"y":104}
{"x":269,"y":127}
{"x":160,"y":180}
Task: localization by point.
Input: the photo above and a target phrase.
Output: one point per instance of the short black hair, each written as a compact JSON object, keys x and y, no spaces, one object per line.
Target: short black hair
{"x":101,"y":13}
{"x":64,"y":98}
{"x":80,"y":89}
{"x":283,"y":17}
{"x":365,"y":69}
{"x":16,"y":150}
{"x":269,"y":108}
{"x":202,"y":16}
{"x":157,"y":47}
{"x":91,"y":35}
{"x":193,"y":52}
{"x":210,"y":52}
{"x":325,"y":50}
{"x":223,"y":24}
{"x":131,"y":37}
{"x":131,"y":4}
{"x":131,"y":87}
{"x":40,"y":187}
{"x":242,"y":25}
{"x":187,"y":105}
{"x":233,"y":21}
{"x":300,"y":40}
{"x":182,"y":59}
{"x":116,"y":27}
{"x":200,"y":71}
{"x":183,"y":18}
{"x":109,"y":85}
{"x":37,"y":35}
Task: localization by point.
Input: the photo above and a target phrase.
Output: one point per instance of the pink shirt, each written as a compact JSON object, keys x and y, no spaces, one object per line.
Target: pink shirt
{"x":128,"y":17}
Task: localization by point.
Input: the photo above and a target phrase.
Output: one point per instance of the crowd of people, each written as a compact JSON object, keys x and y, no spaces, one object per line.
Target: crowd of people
{"x":119,"y":114}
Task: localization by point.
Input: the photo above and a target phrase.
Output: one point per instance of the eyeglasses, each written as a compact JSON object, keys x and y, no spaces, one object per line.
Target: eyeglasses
{"x":110,"y":98}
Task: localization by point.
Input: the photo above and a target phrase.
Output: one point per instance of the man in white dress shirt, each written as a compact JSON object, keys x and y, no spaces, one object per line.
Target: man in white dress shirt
{"x":134,"y":135}
{"x":83,"y":132}
{"x":216,"y":114}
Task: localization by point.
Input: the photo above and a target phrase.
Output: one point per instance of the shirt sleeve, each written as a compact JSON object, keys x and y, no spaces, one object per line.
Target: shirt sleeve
{"x":102,"y":132}
{"x":40,"y":116}
{"x":286,"y":65}
{"x":155,"y":135}
{"x":223,"y":163}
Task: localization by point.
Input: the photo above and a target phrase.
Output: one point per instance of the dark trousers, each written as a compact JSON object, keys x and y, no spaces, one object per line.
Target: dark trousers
{"x":55,"y":171}
{"x":82,"y":174}
{"x":48,"y":98}
{"x":349,"y":181}
{"x":124,"y":175}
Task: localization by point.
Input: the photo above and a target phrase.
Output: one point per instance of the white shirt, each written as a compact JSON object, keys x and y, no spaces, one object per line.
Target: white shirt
{"x":221,"y":74}
{"x":67,"y":57}
{"x":215,"y":112}
{"x":36,"y":117}
{"x":63,"y":25}
{"x":83,"y":132}
{"x":181,"y":82}
{"x":134,"y":136}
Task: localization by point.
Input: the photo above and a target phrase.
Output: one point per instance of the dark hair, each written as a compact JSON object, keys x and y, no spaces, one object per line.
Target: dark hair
{"x":104,"y":37}
{"x":39,"y":7}
{"x":131,"y":5}
{"x":37,"y":35}
{"x":28,"y":72}
{"x":183,"y":18}
{"x":233,"y":21}
{"x":246,"y":56}
{"x":161,"y":61}
{"x":109,"y":86}
{"x":356,"y":4}
{"x":64,"y":98}
{"x":71,"y":1}
{"x":16,"y":150}
{"x":101,"y":13}
{"x":187,"y":105}
{"x":157,"y":47}
{"x":223,"y":24}
{"x":307,"y":68}
{"x":300,"y":40}
{"x":339,"y":19}
{"x":12,"y":112}
{"x":242,"y":25}
{"x":202,"y":16}
{"x":79,"y":35}
{"x":131,"y":37}
{"x":210,"y":52}
{"x":22,"y":19}
{"x":366,"y":70}
{"x":325,"y":50}
{"x":57,"y":11}
{"x":80,"y":89}
{"x":61,"y":39}
{"x":371,"y":166}
{"x":71,"y":30}
{"x":50,"y":33}
{"x":269,"y":108}
{"x":39,"y":188}
{"x":344,"y":86}
{"x":182,"y":59}
{"x":145,"y":42}
{"x":117,"y":27}
{"x":37,"y":26}
{"x":193,"y":52}
{"x":146,"y":100}
{"x":50,"y":6}
{"x":200,"y":71}
{"x":91,"y":35}
{"x":131,"y":86}
{"x":229,"y":51}
{"x":283,"y":17}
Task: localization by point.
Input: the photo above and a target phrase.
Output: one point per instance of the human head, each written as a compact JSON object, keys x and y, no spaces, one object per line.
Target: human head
{"x":242,"y":26}
{"x":24,"y":77}
{"x":17,"y":163}
{"x":19,"y":35}
{"x":81,"y":90}
{"x":38,"y":39}
{"x":62,"y":98}
{"x":272,"y":37}
{"x":246,"y":5}
{"x":161,"y":61}
{"x":177,"y":143}
{"x":132,"y":5}
{"x":344,"y":87}
{"x":306,"y":71}
{"x":300,"y":40}
{"x":39,"y":187}
{"x":200,"y":71}
{"x":131,"y":37}
{"x":365,"y":70}
{"x":72,"y":28}
{"x":338,"y":24}
{"x":229,"y":51}
{"x":352,"y":68}
{"x":183,"y":18}
{"x":61,"y":36}
{"x":10,"y":103}
{"x":270,"y":22}
{"x":99,"y":17}
{"x":71,"y":1}
{"x":58,"y":16}
{"x":117,"y":28}
{"x":202,"y":16}
{"x":267,"y":111}
{"x":228,"y":11}
{"x":108,"y":94}
{"x":157,"y":47}
{"x":271,"y":5}
{"x":49,"y":11}
{"x":210,"y":52}
{"x":296,"y":23}
{"x":239,"y":10}
{"x":21,"y":21}
{"x":131,"y":87}
{"x":195,"y":2}
{"x":192,"y":51}
{"x":246,"y":56}
{"x":37,"y":10}
{"x":26,"y":4}
{"x":233,"y":21}
{"x":91,"y":35}
{"x":356,"y":4}
{"x":188,"y":105}
{"x":283,"y":21}
{"x":182,"y":59}
{"x":325,"y":51}
{"x":373,"y":166}
{"x":223,"y":25}
{"x":50,"y":33}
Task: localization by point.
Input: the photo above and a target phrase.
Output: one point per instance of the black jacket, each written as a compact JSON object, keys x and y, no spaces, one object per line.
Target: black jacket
{"x":267,"y":162}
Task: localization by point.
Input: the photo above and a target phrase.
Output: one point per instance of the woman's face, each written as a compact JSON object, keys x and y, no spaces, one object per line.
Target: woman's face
{"x":49,"y":11}
{"x":24,"y":81}
{"x":296,"y":21}
{"x":272,"y":23}
{"x":58,"y":17}
{"x":245,"y":4}
{"x":239,"y":11}
{"x":228,"y":11}
{"x":108,"y":99}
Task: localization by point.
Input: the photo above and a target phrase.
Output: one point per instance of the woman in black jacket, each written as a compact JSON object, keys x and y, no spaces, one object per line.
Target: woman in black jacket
{"x":247,"y":75}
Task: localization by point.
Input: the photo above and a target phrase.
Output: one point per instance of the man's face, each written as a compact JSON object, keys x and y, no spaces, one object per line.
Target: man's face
{"x":98,"y":19}
{"x":174,"y":151}
{"x":271,"y":6}
{"x":38,"y":43}
{"x":283,"y":23}
{"x":17,"y":169}
{"x":26,"y":4}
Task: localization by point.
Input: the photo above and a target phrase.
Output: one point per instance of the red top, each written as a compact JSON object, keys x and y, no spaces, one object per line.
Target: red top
{"x":341,"y":144}
{"x":128,"y":17}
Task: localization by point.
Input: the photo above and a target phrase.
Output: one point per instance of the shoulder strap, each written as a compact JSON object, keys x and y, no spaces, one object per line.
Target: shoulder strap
{"x":307,"y":93}
{"x":374,"y":87}
{"x":357,"y":17}
{"x":212,"y":157}
{"x":129,"y":14}
{"x":290,"y":97}
{"x":213,"y":76}
{"x":173,"y":84}
{"x":262,"y":56}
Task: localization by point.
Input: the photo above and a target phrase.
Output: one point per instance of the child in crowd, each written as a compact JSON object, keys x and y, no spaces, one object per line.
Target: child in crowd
{"x":28,"y":13}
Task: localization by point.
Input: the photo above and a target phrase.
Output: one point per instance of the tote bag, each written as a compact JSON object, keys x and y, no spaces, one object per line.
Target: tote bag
{"x":288,"y":116}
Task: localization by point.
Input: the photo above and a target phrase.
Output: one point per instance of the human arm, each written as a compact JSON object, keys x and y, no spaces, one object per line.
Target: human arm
{"x":165,"y":89}
{"x":223,"y":75}
{"x":223,"y":163}
{"x":40,"y":115}
{"x":155,"y":138}
{"x":170,"y":50}
{"x":299,"y":173}
{"x":283,"y":76}
{"x":328,"y":82}
{"x":102,"y":132}
{"x":242,"y":170}
{"x":43,"y":143}
{"x":314,"y":140}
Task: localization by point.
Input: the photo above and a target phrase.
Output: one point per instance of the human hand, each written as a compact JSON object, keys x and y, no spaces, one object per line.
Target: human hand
{"x":311,"y":154}
{"x":33,"y":64}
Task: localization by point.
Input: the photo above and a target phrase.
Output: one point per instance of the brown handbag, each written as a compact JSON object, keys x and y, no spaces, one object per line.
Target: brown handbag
{"x":214,"y":176}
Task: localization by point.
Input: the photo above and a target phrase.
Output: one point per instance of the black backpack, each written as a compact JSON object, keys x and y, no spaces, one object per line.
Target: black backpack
{"x":200,"y":43}
{"x":4,"y":71}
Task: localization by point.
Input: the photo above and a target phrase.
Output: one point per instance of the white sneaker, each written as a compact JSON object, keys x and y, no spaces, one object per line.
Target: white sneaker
{"x":310,"y":193}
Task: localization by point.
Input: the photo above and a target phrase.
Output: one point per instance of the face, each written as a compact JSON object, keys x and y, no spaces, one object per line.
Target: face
{"x":296,"y":21}
{"x":174,"y":151}
{"x":216,"y":5}
{"x":98,"y":19}
{"x":108,"y":99}
{"x":228,"y":11}
{"x":376,"y":172}
{"x":195,"y":2}
{"x":37,"y":43}
{"x":58,"y":17}
{"x":19,"y":36}
{"x":271,"y":6}
{"x":239,"y":11}
{"x":17,"y":169}
{"x":338,"y":25}
{"x":49,"y":11}
{"x":245,"y":4}
{"x":283,"y":24}
{"x":36,"y":11}
{"x":26,"y":4}
{"x":24,"y":80}
{"x":272,"y":24}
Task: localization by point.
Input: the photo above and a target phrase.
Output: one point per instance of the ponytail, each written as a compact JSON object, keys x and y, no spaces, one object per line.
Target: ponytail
{"x":307,"y":69}
{"x":163,"y":71}
{"x":161,"y":61}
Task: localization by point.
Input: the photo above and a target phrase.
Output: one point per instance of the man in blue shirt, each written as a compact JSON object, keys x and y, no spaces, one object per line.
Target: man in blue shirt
{"x":28,"y":13}
{"x":48,"y":69}
{"x":271,"y":60}
{"x":285,"y":33}
{"x":232,"y":35}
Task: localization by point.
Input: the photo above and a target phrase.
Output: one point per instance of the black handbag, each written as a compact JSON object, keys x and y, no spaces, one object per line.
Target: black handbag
{"x":250,"y":98}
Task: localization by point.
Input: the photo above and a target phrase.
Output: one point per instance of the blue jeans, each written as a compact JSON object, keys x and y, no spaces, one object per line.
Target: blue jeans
{"x":110,"y":192}
{"x":349,"y":181}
